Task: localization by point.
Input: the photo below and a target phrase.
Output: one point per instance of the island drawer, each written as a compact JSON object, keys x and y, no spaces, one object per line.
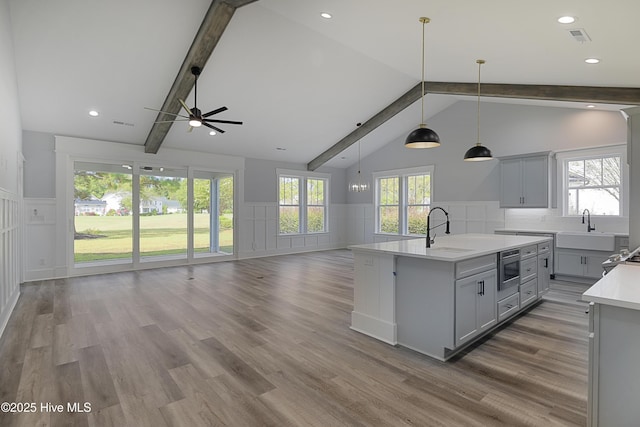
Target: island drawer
{"x":508,"y":306}
{"x":472,"y":266}
{"x":528,"y":269}
{"x":528,"y":292}
{"x":544,"y":247}
{"x":528,"y":251}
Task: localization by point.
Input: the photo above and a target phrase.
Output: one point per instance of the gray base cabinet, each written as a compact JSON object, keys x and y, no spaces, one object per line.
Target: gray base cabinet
{"x":544,"y":273}
{"x":580,"y":263}
{"x":475,"y":305}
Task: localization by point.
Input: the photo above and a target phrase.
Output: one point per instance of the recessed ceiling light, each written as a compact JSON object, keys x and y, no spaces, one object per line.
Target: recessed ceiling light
{"x":566,"y":19}
{"x":591,"y":106}
{"x":93,"y":113}
{"x":326,"y":15}
{"x":592,"y":60}
{"x":213,"y":132}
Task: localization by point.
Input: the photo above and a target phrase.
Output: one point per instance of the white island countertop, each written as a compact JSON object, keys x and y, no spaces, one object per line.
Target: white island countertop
{"x":453,"y":247}
{"x":619,"y":288}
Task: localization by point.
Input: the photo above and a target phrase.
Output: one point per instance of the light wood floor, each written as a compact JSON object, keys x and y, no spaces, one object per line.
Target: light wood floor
{"x":267,"y":342}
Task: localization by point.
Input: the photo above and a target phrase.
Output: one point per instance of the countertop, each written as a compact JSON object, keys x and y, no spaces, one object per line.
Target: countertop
{"x":525,"y":230}
{"x":453,"y":248}
{"x":619,"y":288}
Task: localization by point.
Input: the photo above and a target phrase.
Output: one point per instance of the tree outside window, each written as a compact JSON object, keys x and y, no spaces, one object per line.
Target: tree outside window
{"x":594,"y":184}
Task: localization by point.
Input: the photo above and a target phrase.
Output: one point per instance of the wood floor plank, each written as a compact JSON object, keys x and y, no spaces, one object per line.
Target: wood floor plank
{"x":266,"y":342}
{"x":97,"y":381}
{"x":69,"y":390}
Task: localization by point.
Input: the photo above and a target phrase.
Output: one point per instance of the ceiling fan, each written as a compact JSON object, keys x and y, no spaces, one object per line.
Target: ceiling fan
{"x":195,"y":116}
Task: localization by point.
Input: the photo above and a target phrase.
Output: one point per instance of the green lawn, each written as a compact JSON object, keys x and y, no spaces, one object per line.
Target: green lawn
{"x":159,"y":235}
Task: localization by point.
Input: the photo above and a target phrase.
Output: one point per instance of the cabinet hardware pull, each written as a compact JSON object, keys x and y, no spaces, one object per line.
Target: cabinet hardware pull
{"x":546,"y":263}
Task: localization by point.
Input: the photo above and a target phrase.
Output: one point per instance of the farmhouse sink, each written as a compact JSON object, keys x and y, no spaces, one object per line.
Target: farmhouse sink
{"x":593,"y":241}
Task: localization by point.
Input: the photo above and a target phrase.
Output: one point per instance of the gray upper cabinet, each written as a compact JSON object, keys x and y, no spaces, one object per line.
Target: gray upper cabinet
{"x":524,"y":181}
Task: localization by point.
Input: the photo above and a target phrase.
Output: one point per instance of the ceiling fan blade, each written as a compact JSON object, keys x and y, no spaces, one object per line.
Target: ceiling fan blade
{"x":165,"y":112}
{"x":216,"y":111}
{"x":185,"y":106}
{"x":231,"y":122}
{"x":213,"y":127}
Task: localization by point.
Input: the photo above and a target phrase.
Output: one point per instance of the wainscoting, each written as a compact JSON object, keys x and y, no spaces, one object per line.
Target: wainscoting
{"x":9,"y":255}
{"x":259,"y":232}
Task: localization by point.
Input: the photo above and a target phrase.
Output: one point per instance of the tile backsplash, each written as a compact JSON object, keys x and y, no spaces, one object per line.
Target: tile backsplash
{"x":552,"y":219}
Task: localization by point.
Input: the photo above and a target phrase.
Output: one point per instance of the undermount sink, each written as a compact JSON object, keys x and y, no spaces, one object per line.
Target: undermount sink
{"x":594,"y":240}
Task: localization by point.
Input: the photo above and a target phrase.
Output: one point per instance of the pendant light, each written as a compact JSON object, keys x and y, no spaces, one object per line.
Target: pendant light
{"x":359,"y":185}
{"x":423,"y":137}
{"x":478,"y":153}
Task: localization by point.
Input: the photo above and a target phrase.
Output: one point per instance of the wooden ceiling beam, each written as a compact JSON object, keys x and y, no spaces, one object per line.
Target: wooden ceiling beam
{"x":213,"y":25}
{"x":588,"y":94}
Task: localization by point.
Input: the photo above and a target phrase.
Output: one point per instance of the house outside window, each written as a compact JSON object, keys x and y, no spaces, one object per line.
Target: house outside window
{"x":403,"y":200}
{"x":593,"y":179}
{"x":302,"y":202}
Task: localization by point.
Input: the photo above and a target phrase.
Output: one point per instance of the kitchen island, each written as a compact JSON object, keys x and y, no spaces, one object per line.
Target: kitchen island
{"x":614,"y":348}
{"x":438,"y":300}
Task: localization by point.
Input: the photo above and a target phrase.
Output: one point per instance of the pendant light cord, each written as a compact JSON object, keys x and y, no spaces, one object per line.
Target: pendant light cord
{"x":424,"y":22}
{"x":480,"y":62}
{"x":358,"y":159}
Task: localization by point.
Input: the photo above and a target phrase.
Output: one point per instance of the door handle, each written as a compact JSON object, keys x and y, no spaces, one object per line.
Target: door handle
{"x":546,"y":263}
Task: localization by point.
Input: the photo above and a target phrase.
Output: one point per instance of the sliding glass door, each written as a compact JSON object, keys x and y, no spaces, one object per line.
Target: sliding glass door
{"x":103,"y":226}
{"x":213,"y":213}
{"x":163,"y":211}
{"x":130,"y":213}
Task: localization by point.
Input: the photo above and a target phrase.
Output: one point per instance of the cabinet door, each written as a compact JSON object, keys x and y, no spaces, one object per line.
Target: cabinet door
{"x":544,"y":273}
{"x":466,"y":291}
{"x":486,"y":300}
{"x":569,"y":263}
{"x":475,"y":305}
{"x":510,"y":183}
{"x":535,"y":182}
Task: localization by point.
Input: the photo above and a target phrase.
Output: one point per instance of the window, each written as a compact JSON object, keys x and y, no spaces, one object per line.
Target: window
{"x":593,"y":180}
{"x":302,"y":202}
{"x":403,"y":199}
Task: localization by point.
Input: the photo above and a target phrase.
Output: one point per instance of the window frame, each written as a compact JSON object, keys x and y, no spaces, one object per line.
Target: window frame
{"x":303,"y":197}
{"x":564,"y":157}
{"x":403,"y":196}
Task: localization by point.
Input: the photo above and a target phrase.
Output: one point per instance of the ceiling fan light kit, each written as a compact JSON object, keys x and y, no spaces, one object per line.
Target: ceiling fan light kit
{"x":478,"y":152}
{"x":195,"y":118}
{"x":423,"y":137}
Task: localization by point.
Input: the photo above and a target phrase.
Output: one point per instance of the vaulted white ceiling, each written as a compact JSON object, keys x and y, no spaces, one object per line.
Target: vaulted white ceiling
{"x":298,"y":81}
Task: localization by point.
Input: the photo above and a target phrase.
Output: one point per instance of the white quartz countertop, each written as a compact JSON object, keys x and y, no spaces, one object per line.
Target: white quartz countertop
{"x":453,"y":248}
{"x":619,"y":288}
{"x":525,"y":230}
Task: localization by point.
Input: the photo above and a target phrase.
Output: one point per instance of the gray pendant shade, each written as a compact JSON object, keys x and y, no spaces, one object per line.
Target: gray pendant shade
{"x":423,"y":137}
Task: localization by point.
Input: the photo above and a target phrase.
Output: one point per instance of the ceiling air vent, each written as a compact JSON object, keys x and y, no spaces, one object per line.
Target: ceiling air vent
{"x":579,"y":35}
{"x":118,"y":122}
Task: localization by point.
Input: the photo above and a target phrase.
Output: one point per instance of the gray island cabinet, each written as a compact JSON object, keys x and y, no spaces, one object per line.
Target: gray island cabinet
{"x":438,"y":300}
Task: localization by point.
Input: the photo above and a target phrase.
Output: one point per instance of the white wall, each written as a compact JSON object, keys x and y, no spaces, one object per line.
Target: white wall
{"x":48,"y":179}
{"x":10,"y":173}
{"x":39,"y":165}
{"x":507,"y":129}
